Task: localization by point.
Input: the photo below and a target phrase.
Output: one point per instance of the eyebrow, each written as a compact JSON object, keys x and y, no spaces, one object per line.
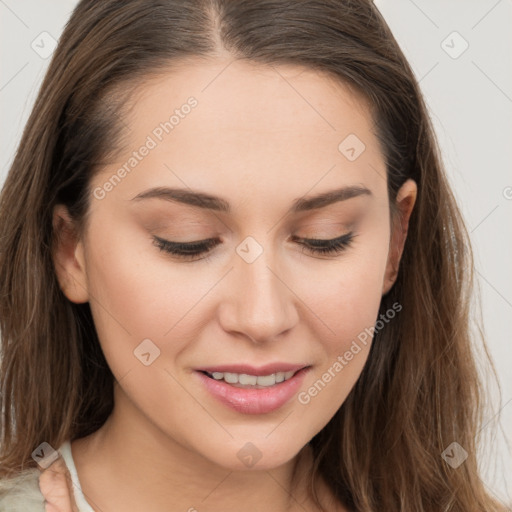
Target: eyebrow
{"x":209,"y":202}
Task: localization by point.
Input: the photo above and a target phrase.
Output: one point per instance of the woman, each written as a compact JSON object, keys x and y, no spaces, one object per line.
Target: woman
{"x":242,"y":272}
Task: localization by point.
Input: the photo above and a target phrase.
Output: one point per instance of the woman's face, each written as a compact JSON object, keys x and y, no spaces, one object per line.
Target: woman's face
{"x":271,"y":151}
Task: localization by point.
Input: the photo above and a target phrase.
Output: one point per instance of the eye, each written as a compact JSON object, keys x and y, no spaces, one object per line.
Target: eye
{"x":327,"y":247}
{"x":191,"y":250}
{"x":187,"y":251}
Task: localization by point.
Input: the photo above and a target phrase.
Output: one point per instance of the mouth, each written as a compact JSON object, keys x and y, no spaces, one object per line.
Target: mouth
{"x":250,"y":390}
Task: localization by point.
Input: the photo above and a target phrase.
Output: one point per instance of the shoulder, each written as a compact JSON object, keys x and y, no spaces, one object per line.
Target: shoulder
{"x":21,"y":493}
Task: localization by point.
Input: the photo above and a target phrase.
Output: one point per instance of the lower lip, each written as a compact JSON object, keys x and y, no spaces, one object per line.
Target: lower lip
{"x":254,"y":401}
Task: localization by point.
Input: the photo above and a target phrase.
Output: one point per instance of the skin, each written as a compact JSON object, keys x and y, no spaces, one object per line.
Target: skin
{"x":55,"y":485}
{"x":259,"y":137}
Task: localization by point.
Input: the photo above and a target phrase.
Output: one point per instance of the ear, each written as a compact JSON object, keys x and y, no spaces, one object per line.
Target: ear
{"x":405,"y":200}
{"x":68,"y":257}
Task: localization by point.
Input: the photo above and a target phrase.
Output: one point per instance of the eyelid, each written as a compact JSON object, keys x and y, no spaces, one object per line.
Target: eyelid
{"x":323,"y":240}
{"x":209,"y":242}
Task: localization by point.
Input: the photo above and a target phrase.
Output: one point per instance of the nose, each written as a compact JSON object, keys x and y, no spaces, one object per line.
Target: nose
{"x":259,"y":303}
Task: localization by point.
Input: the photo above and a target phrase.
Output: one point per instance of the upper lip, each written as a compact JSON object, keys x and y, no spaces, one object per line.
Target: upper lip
{"x":267,"y":369}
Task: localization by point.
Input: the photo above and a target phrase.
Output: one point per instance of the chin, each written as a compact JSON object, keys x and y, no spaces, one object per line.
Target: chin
{"x":258,"y":453}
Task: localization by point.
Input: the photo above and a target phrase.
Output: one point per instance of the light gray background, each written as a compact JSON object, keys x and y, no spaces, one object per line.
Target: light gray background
{"x":470,"y":100}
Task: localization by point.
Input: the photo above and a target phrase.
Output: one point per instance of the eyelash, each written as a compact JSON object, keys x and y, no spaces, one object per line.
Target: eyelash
{"x":187,"y":251}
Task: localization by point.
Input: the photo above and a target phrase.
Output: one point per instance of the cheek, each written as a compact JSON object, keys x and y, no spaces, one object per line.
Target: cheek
{"x":346,"y":299}
{"x":346,"y":294}
{"x":136,"y":295}
{"x":347,"y":305}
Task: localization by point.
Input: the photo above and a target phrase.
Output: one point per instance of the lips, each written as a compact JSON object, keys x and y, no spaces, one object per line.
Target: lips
{"x":250,"y":398}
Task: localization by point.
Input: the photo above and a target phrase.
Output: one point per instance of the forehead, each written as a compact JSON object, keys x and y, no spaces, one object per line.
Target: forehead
{"x":245,"y":129}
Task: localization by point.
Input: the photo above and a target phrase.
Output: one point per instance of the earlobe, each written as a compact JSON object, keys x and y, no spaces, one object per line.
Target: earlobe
{"x":405,"y":200}
{"x":68,"y":257}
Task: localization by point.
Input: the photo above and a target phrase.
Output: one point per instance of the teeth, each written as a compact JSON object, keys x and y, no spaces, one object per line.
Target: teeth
{"x":245,"y":379}
{"x":267,"y":380}
{"x":253,"y":380}
{"x":231,"y":378}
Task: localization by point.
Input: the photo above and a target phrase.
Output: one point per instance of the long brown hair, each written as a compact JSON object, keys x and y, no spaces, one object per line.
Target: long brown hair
{"x":419,"y":390}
